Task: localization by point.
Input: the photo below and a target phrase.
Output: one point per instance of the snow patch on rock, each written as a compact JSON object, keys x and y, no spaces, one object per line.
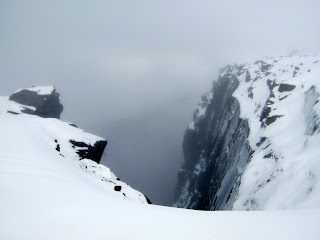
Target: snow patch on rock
{"x":45,"y":90}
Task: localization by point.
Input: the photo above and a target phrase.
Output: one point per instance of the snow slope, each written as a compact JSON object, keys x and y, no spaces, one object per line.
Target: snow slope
{"x":50,"y":194}
{"x":282,"y":107}
{"x":36,"y":153}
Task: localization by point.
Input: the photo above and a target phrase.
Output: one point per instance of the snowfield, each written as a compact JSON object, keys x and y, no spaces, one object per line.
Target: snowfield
{"x":47,"y":193}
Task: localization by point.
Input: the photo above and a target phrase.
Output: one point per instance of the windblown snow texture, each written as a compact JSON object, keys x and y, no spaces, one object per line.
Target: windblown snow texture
{"x":254,"y":140}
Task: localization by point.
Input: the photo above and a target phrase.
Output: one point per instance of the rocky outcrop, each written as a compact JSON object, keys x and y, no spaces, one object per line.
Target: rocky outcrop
{"x":87,"y":151}
{"x":42,"y":101}
{"x":254,"y":139}
{"x":38,"y":149}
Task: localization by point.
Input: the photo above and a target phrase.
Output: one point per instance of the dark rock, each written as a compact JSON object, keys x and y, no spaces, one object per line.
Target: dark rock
{"x":88,"y":151}
{"x":296,"y":70}
{"x":248,"y":77}
{"x":117,"y":188}
{"x":262,"y":140}
{"x":58,"y":148}
{"x":215,"y":153}
{"x":250,"y":93}
{"x":47,"y":106}
{"x":286,"y":87}
{"x":265,"y":66}
{"x":14,"y":113}
{"x":272,"y":119}
{"x":283,"y":98}
{"x":265,"y":113}
{"x":264,"y":117}
{"x":148,"y":200}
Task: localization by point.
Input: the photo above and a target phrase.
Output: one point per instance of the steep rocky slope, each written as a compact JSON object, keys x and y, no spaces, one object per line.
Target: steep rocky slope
{"x":254,"y":140}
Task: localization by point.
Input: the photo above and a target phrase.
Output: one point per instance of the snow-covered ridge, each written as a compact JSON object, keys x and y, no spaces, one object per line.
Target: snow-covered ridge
{"x":255,"y":138}
{"x":37,"y":151}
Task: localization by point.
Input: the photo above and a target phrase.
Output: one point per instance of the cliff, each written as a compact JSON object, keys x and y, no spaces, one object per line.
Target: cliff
{"x":241,"y":151}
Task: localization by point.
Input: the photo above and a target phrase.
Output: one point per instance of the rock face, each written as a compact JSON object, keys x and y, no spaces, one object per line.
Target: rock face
{"x":241,"y":151}
{"x":216,"y":150}
{"x":44,"y":101}
{"x":87,"y":151}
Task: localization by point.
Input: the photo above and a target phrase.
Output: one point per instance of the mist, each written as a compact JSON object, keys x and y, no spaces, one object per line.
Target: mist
{"x":133,"y":72}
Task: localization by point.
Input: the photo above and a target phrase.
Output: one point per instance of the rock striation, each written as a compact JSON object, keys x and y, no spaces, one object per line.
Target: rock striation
{"x":216,"y":149}
{"x":250,"y":135}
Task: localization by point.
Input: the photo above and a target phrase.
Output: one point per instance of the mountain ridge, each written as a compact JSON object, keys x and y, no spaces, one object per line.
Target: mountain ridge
{"x":35,"y":139}
{"x":270,"y":107}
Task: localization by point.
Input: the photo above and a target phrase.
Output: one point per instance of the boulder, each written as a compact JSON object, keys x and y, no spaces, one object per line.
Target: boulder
{"x":44,"y":100}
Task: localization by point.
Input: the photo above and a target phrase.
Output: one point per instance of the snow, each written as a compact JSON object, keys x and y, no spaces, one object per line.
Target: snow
{"x":284,"y":172}
{"x":46,"y":194}
{"x":47,"y":90}
{"x":202,"y":107}
{"x":29,"y":148}
{"x":7,"y":105}
{"x":191,"y":126}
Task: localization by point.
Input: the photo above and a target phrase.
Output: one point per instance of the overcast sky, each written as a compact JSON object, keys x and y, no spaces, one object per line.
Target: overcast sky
{"x":112,"y":60}
{"x":124,"y":55}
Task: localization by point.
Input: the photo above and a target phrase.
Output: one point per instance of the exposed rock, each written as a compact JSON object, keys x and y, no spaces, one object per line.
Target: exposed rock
{"x":216,"y":151}
{"x":87,"y":151}
{"x":45,"y":101}
{"x":148,"y":200}
{"x":247,"y":135}
{"x":12,"y":112}
{"x":286,"y":87}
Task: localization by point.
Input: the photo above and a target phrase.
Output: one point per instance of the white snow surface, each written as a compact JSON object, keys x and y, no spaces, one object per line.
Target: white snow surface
{"x":45,"y":90}
{"x":284,"y":172}
{"x":48,"y":196}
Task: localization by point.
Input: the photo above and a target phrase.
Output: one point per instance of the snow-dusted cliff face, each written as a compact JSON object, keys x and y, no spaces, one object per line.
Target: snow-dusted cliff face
{"x":254,"y":141}
{"x":44,"y":158}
